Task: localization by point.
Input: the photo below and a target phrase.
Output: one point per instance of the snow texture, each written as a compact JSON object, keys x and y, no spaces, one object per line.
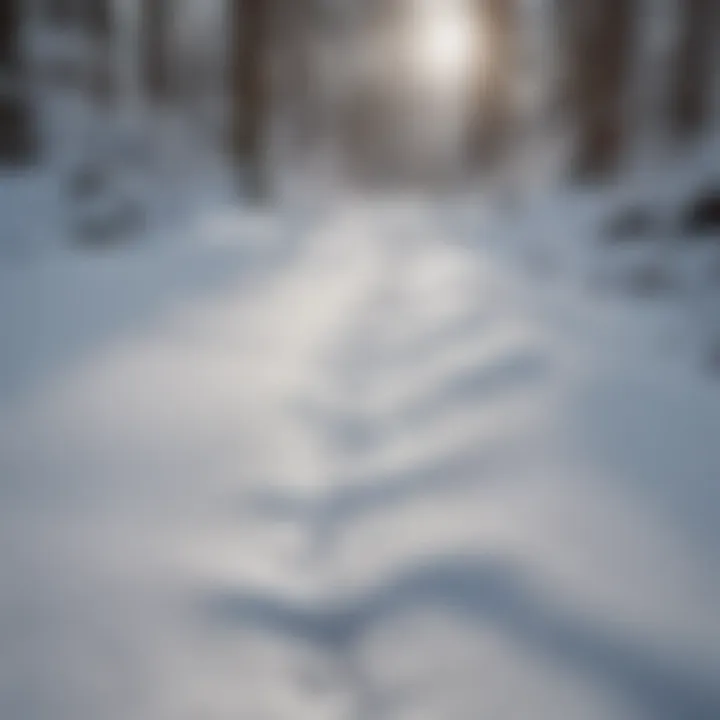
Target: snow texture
{"x":365,"y":458}
{"x":381,"y":459}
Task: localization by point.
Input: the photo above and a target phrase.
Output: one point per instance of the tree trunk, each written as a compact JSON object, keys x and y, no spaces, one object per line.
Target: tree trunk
{"x":99,"y":21}
{"x":693,"y":77}
{"x":292,"y":33}
{"x":17,"y":131}
{"x":155,"y":68}
{"x":9,"y":37}
{"x":250,"y":92}
{"x":502,"y":45}
{"x":600,"y":45}
{"x":495,"y":75}
{"x":61,"y":12}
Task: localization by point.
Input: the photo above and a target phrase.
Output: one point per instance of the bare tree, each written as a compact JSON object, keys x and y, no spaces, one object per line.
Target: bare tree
{"x":99,"y":21}
{"x":294,"y":32}
{"x":250,"y":91}
{"x":496,"y":66}
{"x":61,"y":12}
{"x":17,"y":133}
{"x":154,"y":47}
{"x":598,"y":46}
{"x":693,"y":70}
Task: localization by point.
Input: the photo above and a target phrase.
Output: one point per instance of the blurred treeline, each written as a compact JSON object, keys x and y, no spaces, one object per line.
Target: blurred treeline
{"x":603,"y":75}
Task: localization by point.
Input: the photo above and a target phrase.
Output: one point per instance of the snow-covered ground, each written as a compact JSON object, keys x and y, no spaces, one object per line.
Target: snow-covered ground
{"x":379,"y":460}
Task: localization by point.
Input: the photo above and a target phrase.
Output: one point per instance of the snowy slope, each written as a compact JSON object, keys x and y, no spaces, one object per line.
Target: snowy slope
{"x":359,"y":464}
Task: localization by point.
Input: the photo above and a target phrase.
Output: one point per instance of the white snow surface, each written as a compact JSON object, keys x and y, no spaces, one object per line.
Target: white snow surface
{"x":383,"y":459}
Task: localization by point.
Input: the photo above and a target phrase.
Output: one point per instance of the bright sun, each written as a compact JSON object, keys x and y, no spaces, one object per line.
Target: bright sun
{"x":446,"y":40}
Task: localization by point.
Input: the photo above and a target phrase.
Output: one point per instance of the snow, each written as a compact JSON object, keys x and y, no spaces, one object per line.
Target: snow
{"x":379,"y":459}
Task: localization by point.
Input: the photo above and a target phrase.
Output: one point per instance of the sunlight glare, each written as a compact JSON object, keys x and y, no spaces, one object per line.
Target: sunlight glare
{"x":447,"y":40}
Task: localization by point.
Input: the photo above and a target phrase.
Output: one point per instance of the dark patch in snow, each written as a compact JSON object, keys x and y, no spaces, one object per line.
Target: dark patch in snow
{"x":479,"y":382}
{"x":651,"y":279}
{"x":103,"y":213}
{"x":702,"y":215}
{"x":714,"y":358}
{"x":88,"y":181}
{"x":119,"y":221}
{"x":18,"y":139}
{"x":482,"y":591}
{"x":632,"y":223}
{"x":356,"y":498}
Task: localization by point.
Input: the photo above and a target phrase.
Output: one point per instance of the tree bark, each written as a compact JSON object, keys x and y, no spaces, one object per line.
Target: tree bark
{"x":693,"y":71}
{"x":99,"y":22}
{"x":155,"y":65}
{"x":61,"y":12}
{"x":250,"y":92}
{"x":599,"y":44}
{"x":292,"y":34}
{"x":18,"y":141}
{"x":99,"y":18}
{"x":9,"y":36}
{"x":495,"y":75}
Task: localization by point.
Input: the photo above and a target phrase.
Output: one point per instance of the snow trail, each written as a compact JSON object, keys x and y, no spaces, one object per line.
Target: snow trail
{"x":356,"y":467}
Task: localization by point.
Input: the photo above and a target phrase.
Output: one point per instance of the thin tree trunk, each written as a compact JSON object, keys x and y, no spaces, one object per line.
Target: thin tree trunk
{"x":250,"y":92}
{"x":18,"y":141}
{"x":600,"y":45}
{"x":292,"y":33}
{"x":10,"y":18}
{"x":155,"y":65}
{"x":61,"y":12}
{"x":693,"y":78}
{"x":99,"y":22}
{"x":495,"y":74}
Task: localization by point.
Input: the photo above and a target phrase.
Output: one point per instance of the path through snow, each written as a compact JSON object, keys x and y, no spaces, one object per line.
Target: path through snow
{"x":353,"y":467}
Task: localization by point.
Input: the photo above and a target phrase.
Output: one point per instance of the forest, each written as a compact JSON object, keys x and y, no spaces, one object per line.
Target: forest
{"x":608,"y":77}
